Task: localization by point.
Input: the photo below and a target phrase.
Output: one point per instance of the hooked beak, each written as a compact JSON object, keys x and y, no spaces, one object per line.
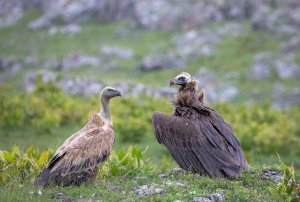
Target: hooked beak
{"x":118,"y":93}
{"x":173,"y":82}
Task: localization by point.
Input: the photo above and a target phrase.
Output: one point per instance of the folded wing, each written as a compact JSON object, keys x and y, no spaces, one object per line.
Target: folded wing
{"x":198,"y":146}
{"x":77,"y":159}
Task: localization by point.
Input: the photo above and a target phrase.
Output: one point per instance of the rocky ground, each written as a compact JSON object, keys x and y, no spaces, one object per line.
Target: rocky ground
{"x":175,"y":185}
{"x":223,"y":46}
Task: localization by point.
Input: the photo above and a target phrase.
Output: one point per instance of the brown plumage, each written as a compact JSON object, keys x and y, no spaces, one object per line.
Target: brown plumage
{"x":197,"y":137}
{"x":77,"y":159}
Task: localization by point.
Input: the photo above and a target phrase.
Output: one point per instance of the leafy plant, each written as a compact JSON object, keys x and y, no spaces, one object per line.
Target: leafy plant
{"x":288,"y":189}
{"x":127,"y":162}
{"x":17,"y":166}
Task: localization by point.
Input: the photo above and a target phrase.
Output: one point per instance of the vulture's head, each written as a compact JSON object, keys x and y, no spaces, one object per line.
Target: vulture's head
{"x":182,"y":79}
{"x":109,"y":92}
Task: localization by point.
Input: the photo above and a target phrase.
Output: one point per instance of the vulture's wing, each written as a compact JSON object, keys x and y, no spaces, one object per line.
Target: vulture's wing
{"x":192,"y":149}
{"x":220,"y":134}
{"x":82,"y":152}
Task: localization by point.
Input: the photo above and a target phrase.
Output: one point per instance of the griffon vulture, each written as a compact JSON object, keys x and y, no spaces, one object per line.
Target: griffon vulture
{"x":77,"y":159}
{"x":197,"y":137}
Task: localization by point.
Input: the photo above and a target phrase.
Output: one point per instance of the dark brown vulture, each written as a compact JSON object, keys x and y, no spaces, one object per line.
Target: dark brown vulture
{"x":197,"y":137}
{"x":77,"y":159}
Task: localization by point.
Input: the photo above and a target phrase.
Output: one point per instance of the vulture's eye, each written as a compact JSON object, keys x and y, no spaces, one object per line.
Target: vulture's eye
{"x":181,"y":78}
{"x":110,"y":90}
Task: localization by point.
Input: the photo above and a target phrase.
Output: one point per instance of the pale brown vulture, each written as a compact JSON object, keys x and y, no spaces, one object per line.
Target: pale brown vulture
{"x":77,"y":159}
{"x":197,"y":137}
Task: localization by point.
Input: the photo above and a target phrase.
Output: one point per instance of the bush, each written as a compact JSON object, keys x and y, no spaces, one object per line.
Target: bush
{"x":17,"y":166}
{"x":262,"y":129}
{"x":127,"y":162}
{"x":288,"y":189}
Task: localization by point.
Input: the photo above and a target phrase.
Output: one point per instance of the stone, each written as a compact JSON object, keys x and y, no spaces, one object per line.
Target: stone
{"x":80,"y":86}
{"x":113,"y":188}
{"x":62,"y":197}
{"x":201,"y":199}
{"x":216,"y":90}
{"x":285,"y":97}
{"x":216,"y":197}
{"x":170,"y":183}
{"x":31,"y":79}
{"x":266,"y":63}
{"x":70,"y":29}
{"x":11,"y":17}
{"x":286,"y":68}
{"x":291,"y":45}
{"x":145,"y":190}
{"x":273,"y":175}
{"x":175,"y":171}
{"x":76,"y":60}
{"x":113,"y":51}
{"x":294,"y":15}
{"x":196,"y":43}
{"x":159,"y":62}
{"x":261,"y":66}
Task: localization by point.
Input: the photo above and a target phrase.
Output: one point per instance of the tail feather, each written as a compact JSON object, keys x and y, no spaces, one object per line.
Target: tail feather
{"x":43,"y":178}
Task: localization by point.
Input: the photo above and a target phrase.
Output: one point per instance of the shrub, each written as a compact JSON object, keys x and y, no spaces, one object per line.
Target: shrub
{"x":17,"y":166}
{"x":288,"y":189}
{"x":127,"y":162}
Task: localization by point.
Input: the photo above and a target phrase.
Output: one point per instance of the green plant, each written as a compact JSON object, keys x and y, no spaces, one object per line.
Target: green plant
{"x":288,"y":189}
{"x":17,"y":166}
{"x":127,"y":162}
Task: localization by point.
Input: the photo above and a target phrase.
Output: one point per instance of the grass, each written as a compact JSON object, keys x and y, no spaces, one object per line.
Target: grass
{"x":249,"y":188}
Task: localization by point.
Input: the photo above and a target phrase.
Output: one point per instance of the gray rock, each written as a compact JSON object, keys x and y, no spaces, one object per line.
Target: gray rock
{"x":261,"y":66}
{"x":272,"y":175}
{"x":216,"y":197}
{"x":283,"y":20}
{"x":11,"y":17}
{"x":41,"y":22}
{"x":148,"y":190}
{"x":196,"y":43}
{"x":7,"y":63}
{"x":295,"y":16}
{"x":135,"y":90}
{"x":216,"y":90}
{"x":76,"y":60}
{"x":162,"y":14}
{"x":113,"y":188}
{"x":113,"y":51}
{"x":80,"y":86}
{"x":175,"y":171}
{"x":162,"y":176}
{"x":201,"y":199}
{"x":292,"y":45}
{"x":31,"y":79}
{"x":62,"y":197}
{"x":285,"y":97}
{"x":70,"y":29}
{"x":159,"y":62}
{"x":266,"y":63}
{"x":170,"y":183}
{"x":286,"y":68}
{"x":69,"y":11}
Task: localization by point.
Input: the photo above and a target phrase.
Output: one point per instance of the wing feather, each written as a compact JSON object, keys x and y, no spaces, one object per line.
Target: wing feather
{"x":78,"y":156}
{"x":196,"y":147}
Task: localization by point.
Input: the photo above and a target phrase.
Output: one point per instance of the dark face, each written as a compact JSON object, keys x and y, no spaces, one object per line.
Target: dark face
{"x":181,"y":80}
